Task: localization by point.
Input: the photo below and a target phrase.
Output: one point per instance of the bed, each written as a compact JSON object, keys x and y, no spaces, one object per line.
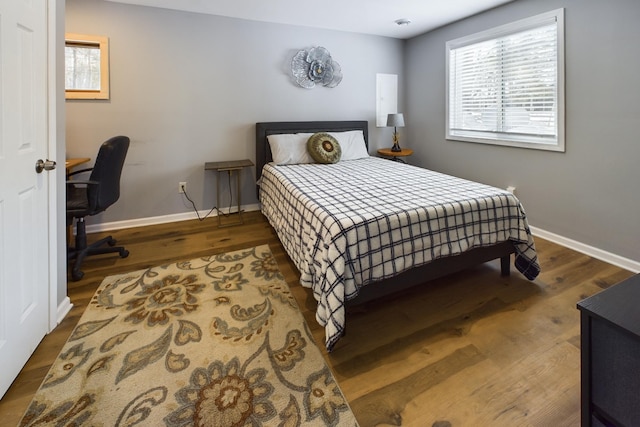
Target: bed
{"x":365,"y":227}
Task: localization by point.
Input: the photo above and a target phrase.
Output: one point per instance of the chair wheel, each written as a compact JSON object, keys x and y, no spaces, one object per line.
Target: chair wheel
{"x":124,"y":253}
{"x":77,"y":275}
{"x":111,"y":242}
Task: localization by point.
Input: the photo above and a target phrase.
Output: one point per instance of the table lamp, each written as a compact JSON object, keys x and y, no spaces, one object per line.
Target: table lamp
{"x":397,"y":121}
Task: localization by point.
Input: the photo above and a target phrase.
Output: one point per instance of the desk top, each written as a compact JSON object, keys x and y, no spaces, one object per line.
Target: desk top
{"x":228,"y":165}
{"x":73,"y":162}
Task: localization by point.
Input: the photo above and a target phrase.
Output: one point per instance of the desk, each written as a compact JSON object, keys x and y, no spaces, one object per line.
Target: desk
{"x":73,"y":162}
{"x":395,"y":155}
{"x":232,"y":167}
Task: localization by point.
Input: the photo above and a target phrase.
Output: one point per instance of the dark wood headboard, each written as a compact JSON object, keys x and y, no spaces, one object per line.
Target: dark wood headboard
{"x":263,"y":151}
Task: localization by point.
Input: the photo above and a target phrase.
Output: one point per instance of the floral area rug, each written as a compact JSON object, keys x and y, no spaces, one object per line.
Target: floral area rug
{"x":216,"y":341}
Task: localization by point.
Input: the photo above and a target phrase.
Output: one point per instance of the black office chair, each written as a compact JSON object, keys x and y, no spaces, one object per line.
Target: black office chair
{"x":93,"y":196}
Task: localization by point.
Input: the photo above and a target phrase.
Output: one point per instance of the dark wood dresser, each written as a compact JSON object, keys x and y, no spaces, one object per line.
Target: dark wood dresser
{"x":610,"y":356}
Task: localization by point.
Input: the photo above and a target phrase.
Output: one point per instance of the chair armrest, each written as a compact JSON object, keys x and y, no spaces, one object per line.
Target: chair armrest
{"x":79,"y":171}
{"x":80,"y":181}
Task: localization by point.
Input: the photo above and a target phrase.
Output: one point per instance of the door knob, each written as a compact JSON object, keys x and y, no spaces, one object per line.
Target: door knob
{"x":46,"y":165}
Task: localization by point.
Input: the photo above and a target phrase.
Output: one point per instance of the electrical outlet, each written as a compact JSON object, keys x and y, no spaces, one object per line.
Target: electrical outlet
{"x":182,"y":187}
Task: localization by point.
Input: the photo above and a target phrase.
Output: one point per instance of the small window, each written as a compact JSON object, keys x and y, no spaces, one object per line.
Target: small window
{"x":86,"y":67}
{"x":506,"y":85}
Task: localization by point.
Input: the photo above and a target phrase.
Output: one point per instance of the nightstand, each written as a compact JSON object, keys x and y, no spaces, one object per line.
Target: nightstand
{"x":610,"y":353}
{"x":395,"y":155}
{"x":232,"y":167}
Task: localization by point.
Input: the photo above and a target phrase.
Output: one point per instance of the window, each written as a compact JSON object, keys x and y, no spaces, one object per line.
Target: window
{"x":86,"y":67}
{"x":505,"y":86}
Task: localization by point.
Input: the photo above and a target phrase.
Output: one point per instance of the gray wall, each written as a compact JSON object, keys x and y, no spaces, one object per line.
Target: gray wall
{"x":589,"y":193}
{"x":188,"y":88}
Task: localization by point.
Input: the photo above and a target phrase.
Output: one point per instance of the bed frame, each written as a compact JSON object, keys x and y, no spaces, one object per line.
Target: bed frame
{"x":433,"y":270}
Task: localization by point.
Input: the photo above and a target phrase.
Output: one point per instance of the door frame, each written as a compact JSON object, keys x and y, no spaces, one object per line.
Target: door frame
{"x":59,"y":302}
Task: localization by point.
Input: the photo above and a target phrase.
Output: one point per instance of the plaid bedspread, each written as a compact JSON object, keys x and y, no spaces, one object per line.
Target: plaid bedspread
{"x":355,"y":222}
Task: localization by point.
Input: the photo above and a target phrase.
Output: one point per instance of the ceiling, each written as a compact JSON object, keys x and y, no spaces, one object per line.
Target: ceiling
{"x":375,"y":17}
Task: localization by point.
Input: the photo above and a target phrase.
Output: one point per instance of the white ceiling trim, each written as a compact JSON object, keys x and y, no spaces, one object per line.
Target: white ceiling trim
{"x":375,"y":17}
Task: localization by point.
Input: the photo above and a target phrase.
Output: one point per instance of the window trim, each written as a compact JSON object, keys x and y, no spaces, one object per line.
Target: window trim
{"x":101,"y":43}
{"x":556,"y":16}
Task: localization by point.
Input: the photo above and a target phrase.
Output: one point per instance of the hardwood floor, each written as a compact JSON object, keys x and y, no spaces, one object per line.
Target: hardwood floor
{"x":471,"y":349}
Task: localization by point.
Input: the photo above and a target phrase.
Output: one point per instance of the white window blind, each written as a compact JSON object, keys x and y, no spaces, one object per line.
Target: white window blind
{"x":506,"y":85}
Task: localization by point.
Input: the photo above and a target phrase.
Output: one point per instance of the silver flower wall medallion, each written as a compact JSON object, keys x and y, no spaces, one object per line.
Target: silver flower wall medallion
{"x":314,"y":66}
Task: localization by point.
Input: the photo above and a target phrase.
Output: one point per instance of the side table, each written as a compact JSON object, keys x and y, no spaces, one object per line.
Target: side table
{"x":232,"y":167}
{"x":610,"y":356}
{"x":396,"y":155}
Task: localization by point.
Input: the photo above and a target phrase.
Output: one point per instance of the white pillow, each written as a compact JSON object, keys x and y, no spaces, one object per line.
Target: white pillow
{"x":352,"y":144}
{"x":290,"y":148}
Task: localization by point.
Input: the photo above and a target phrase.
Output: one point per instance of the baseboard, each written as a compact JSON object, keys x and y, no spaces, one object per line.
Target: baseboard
{"x":141,"y":222}
{"x":63,"y":309}
{"x":618,"y":261}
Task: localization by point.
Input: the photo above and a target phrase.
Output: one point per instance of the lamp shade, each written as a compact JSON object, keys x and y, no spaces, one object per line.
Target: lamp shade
{"x":395,"y":120}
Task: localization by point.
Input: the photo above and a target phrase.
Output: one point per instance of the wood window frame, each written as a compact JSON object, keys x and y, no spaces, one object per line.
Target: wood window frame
{"x":102,"y":43}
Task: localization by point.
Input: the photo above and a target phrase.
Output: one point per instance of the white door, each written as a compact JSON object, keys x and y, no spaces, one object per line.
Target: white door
{"x":24,"y":233}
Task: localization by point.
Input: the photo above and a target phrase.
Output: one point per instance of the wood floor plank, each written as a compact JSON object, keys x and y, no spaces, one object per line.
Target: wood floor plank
{"x":471,"y":349}
{"x":488,"y":395}
{"x":386,"y":404}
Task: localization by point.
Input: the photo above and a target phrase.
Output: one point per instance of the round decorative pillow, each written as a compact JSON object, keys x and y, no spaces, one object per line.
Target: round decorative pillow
{"x":324,"y":148}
